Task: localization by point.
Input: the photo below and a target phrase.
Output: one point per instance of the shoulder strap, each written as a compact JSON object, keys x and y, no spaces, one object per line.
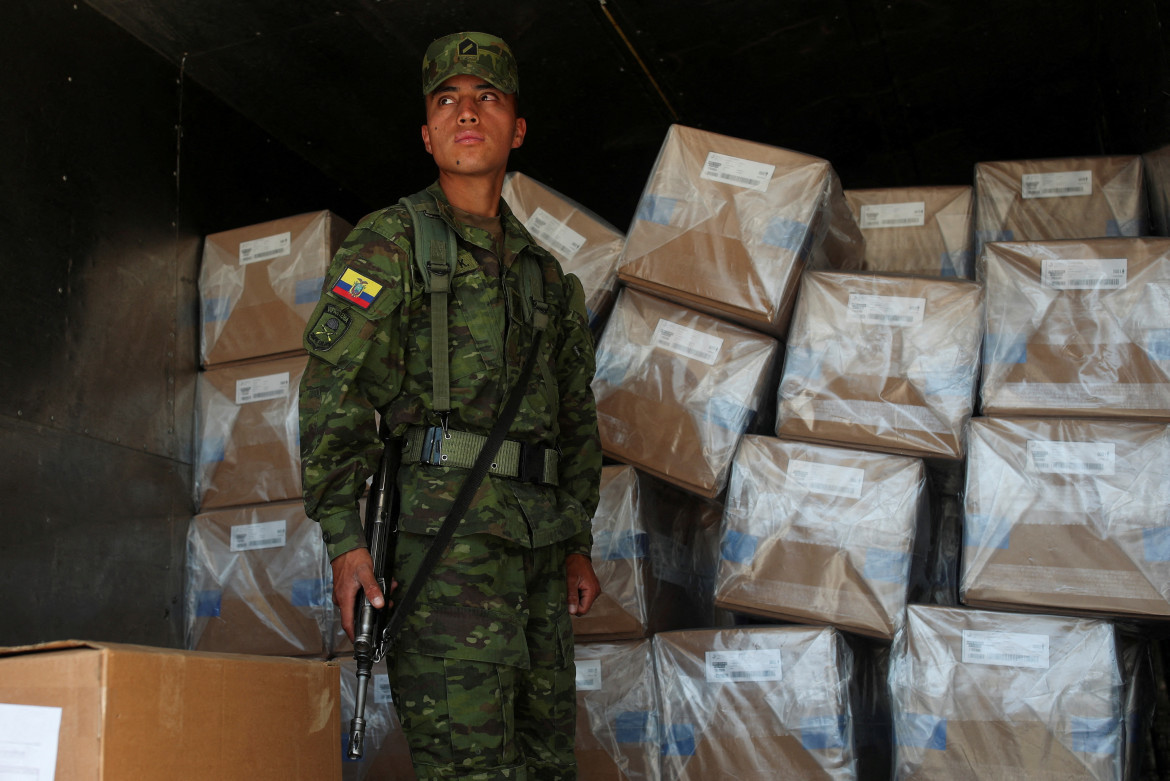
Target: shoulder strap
{"x":435,"y":255}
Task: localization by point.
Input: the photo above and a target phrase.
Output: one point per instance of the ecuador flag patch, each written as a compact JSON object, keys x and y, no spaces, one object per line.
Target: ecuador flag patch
{"x":352,"y":286}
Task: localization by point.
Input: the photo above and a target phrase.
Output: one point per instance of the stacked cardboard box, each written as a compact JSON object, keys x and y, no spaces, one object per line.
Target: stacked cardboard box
{"x":978,"y":694}
{"x":726,"y":226}
{"x":817,"y":534}
{"x":916,"y":230}
{"x":617,"y":712}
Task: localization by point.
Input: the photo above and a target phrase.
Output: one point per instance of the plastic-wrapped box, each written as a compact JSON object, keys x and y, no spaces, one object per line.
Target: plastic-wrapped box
{"x":676,"y":389}
{"x":617,"y":712}
{"x":258,"y":285}
{"x":584,"y":243}
{"x":257,"y":582}
{"x":726,"y":226}
{"x":1156,"y":165}
{"x":756,"y":702}
{"x":821,"y":535}
{"x":1067,"y":516}
{"x":1078,"y":328}
{"x":248,"y":433}
{"x":980,"y":694}
{"x":386,"y":753}
{"x":916,"y":230}
{"x":1059,"y":198}
{"x":882,"y":362}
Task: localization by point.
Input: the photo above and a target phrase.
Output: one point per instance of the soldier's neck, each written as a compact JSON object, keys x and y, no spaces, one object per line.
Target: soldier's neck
{"x":479,"y":195}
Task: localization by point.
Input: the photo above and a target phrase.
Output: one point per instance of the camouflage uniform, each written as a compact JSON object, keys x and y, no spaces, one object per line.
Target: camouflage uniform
{"x":495,"y":608}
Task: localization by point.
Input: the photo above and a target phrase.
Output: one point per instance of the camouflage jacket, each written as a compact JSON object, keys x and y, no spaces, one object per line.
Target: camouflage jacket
{"x":372,"y":352}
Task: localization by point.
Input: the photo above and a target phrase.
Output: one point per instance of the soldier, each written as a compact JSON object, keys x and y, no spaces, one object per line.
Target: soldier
{"x":482,"y":673}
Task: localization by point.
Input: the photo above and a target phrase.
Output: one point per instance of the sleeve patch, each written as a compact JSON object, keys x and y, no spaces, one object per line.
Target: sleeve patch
{"x":355,"y":288}
{"x":331,"y":325}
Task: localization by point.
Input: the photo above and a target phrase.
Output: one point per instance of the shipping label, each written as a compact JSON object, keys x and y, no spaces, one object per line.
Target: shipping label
{"x":893,"y":215}
{"x":827,"y":478}
{"x":1007,"y":649}
{"x":687,"y":342}
{"x":270,"y":386}
{"x":267,"y":248}
{"x":886,"y":310}
{"x":1060,"y":184}
{"x":382,"y":693}
{"x":1071,"y":458}
{"x":743,"y":666}
{"x":554,"y":235}
{"x":1085,"y":274}
{"x":588,"y":675}
{"x":255,"y":536}
{"x":737,"y":171}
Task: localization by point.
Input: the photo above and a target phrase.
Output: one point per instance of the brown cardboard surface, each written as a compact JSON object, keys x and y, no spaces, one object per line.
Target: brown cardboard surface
{"x":916,"y":230}
{"x":258,"y":600}
{"x":257,"y":308}
{"x":152,"y":713}
{"x":249,"y":452}
{"x":1097,"y":346}
{"x":1066,"y":515}
{"x":900,"y":382}
{"x":821,"y":535}
{"x":617,"y":723}
{"x":728,"y":248}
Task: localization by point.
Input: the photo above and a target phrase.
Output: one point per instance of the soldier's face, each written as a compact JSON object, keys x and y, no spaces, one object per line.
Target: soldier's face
{"x":471,"y":127}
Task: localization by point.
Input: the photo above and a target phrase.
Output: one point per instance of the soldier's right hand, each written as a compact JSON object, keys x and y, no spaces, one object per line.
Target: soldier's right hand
{"x":353,"y":572}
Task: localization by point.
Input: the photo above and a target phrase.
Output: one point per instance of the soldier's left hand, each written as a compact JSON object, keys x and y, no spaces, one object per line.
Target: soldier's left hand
{"x":584,"y":587}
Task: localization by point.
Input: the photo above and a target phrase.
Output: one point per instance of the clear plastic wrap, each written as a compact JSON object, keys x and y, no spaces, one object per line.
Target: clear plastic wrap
{"x":248,"y":433}
{"x":1058,"y":198}
{"x":726,"y":226}
{"x":916,"y":230}
{"x":258,"y":285}
{"x":386,"y":754}
{"x":1078,"y":328}
{"x":821,"y":535}
{"x":584,"y":243}
{"x":1156,"y":165}
{"x":882,"y":362}
{"x":979,"y":694}
{"x":756,"y":704}
{"x":617,"y":712}
{"x":1068,"y":516}
{"x":256,"y":582}
{"x":677,"y":389}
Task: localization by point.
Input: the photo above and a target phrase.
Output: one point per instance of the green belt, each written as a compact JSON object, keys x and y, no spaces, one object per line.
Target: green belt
{"x":517,"y":460}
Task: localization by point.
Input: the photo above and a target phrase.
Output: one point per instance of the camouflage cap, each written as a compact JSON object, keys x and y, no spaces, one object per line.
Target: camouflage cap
{"x":476,"y":54}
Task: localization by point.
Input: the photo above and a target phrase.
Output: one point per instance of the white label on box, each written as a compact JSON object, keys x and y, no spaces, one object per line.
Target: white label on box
{"x":743,"y":666}
{"x":554,"y":235}
{"x":893,"y":215}
{"x":272,"y":386}
{"x":266,"y":248}
{"x":886,"y":310}
{"x":1009,"y":649}
{"x":382,"y":693}
{"x":29,"y":735}
{"x":1060,"y":184}
{"x":1086,"y":274}
{"x":588,"y":675}
{"x":827,"y":478}
{"x":1071,"y":458}
{"x":737,"y":171}
{"x":687,"y":342}
{"x":254,"y":536}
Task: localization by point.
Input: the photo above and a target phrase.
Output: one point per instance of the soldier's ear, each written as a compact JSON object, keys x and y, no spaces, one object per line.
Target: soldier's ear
{"x":518,"y":136}
{"x":426,"y":137}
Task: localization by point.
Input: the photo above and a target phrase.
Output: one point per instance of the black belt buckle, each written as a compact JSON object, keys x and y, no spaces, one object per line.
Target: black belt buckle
{"x":530,"y":469}
{"x":432,"y":446}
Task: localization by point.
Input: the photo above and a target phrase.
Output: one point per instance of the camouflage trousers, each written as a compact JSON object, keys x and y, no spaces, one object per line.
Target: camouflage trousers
{"x":482,"y":674}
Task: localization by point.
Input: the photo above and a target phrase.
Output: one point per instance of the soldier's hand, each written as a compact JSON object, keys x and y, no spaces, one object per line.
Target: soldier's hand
{"x":353,"y":572}
{"x":584,"y":587}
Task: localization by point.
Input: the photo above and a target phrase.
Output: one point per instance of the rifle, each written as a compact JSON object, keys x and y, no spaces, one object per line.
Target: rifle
{"x":370,"y":636}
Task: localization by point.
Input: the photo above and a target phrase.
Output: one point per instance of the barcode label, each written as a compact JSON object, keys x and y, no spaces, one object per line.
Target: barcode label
{"x":886,"y":310}
{"x":271,"y":386}
{"x":737,"y":171}
{"x":1061,"y":184}
{"x":555,"y":235}
{"x":588,"y":675}
{"x":687,"y":342}
{"x":382,"y":693}
{"x":1084,"y":274}
{"x":743,"y":666}
{"x":254,"y":536}
{"x":1071,"y":458}
{"x":893,"y":215}
{"x":827,"y":478}
{"x":266,"y":248}
{"x":1008,"y":649}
